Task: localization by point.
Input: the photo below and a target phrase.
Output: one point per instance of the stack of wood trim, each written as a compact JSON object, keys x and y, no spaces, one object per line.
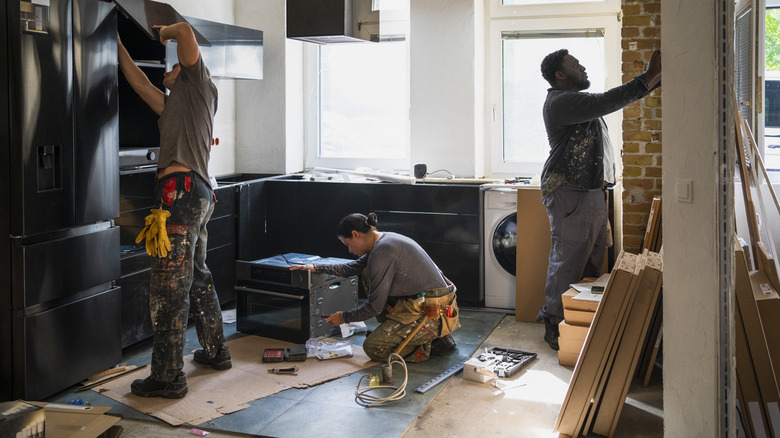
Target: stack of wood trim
{"x":603,"y":372}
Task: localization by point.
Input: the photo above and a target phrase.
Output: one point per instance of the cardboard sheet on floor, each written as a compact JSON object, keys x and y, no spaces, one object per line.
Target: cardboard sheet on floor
{"x":213,"y":394}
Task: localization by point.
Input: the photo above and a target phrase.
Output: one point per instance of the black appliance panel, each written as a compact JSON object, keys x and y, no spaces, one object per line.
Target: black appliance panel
{"x":504,"y":243}
{"x":96,"y":109}
{"x":274,"y":302}
{"x":65,"y":345}
{"x":54,"y":269}
{"x":42,"y":188}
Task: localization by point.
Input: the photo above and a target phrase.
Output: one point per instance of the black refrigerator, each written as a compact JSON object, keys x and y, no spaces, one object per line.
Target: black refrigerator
{"x":60,"y":308}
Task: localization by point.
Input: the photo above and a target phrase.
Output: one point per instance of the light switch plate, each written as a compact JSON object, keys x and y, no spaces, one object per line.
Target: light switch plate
{"x":684,"y":190}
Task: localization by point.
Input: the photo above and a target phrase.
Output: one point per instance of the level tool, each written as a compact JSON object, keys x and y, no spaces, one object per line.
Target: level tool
{"x":440,"y":378}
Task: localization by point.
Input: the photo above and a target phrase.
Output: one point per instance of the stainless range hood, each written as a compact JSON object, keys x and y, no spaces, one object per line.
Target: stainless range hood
{"x":347,"y":21}
{"x":228,"y":51}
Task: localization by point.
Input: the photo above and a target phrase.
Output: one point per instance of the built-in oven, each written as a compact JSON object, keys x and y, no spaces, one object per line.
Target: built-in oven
{"x":275,"y":302}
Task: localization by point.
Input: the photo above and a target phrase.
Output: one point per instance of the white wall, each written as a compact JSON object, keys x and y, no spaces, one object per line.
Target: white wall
{"x":445,"y":128}
{"x":223,"y":156}
{"x":261,"y":110}
{"x":691,"y":275}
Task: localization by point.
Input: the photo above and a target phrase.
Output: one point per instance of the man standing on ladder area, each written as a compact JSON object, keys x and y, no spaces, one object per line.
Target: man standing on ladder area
{"x":580,"y":166}
{"x":180,"y":284}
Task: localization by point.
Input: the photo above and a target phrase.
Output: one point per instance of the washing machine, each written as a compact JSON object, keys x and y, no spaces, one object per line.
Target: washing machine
{"x":499,"y":243}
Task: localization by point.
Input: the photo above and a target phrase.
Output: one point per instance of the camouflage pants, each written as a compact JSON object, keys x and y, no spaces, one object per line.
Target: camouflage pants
{"x":181,"y":284}
{"x":390,"y":334}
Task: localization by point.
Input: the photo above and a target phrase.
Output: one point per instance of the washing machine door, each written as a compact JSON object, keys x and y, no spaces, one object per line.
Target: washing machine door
{"x":505,"y":243}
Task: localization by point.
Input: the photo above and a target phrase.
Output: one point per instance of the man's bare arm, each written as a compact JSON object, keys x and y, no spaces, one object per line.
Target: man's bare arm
{"x":138,"y":80}
{"x":186,"y":45}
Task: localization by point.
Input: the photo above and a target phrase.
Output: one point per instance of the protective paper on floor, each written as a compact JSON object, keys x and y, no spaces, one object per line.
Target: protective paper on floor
{"x":213,"y":394}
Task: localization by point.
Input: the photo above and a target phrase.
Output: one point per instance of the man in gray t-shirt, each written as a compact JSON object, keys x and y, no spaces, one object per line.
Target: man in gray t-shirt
{"x":175,"y":232}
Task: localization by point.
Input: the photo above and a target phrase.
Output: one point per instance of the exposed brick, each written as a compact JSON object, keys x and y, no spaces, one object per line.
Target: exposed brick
{"x":652,"y":101}
{"x":630,"y":32}
{"x":652,"y":124}
{"x":635,"y":218}
{"x":632,"y":112}
{"x":652,"y":8}
{"x":651,"y":32}
{"x":636,"y":136}
{"x":644,"y":183}
{"x":637,"y":20}
{"x":631,"y":9}
{"x":653,"y":172}
{"x":630,"y":147}
{"x":632,"y":171}
{"x":645,"y":44}
{"x":631,"y":56}
{"x":632,"y":125}
{"x":653,"y":148}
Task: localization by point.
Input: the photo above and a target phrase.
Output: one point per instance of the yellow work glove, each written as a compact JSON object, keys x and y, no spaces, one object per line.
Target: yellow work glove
{"x":155,"y":233}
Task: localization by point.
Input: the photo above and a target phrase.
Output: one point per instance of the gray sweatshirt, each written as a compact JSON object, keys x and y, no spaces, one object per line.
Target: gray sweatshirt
{"x":397,"y":267}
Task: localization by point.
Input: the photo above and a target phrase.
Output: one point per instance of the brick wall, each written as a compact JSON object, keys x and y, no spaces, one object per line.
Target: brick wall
{"x":642,"y":141}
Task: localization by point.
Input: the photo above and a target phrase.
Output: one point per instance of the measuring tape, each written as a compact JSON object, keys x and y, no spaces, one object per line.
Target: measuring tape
{"x":441,"y":377}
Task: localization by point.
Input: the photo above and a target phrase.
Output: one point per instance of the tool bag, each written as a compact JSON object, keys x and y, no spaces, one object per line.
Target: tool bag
{"x":409,"y":310}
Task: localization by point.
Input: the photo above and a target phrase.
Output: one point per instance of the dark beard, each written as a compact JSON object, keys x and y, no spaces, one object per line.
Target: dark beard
{"x":582,"y":85}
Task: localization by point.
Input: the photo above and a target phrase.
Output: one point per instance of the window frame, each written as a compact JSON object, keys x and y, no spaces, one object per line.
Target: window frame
{"x":311,"y":106}
{"x":538,"y":18}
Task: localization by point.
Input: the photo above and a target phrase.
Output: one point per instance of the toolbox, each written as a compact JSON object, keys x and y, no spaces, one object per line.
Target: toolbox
{"x":277,"y":303}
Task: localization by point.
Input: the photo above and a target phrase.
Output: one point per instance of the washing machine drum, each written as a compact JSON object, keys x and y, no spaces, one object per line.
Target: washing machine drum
{"x":505,"y":243}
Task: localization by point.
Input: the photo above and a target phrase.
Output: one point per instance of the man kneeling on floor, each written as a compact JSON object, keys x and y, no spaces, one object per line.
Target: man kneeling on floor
{"x":403,"y":284}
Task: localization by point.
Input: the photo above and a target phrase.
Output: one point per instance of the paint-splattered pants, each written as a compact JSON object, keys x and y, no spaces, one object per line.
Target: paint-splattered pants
{"x":578,"y":222}
{"x":181,"y":284}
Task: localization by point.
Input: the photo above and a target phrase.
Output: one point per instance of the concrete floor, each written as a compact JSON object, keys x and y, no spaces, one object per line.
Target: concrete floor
{"x":527,"y":404}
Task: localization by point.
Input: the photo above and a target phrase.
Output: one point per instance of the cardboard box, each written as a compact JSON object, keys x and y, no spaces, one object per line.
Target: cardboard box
{"x":477,"y":371}
{"x":533,"y":251}
{"x":569,"y":302}
{"x":567,"y":359}
{"x":74,"y":421}
{"x":570,"y":345}
{"x":578,"y":317}
{"x":571,"y":331}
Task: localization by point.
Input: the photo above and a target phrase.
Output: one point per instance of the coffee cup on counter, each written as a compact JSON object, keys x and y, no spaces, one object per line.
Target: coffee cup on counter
{"x":420,"y":170}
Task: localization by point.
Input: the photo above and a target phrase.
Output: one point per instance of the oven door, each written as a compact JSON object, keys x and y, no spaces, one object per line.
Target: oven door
{"x":274,"y":312}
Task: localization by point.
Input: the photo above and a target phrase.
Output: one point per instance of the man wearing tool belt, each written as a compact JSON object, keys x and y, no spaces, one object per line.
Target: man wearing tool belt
{"x":175,"y":232}
{"x":403,"y":285}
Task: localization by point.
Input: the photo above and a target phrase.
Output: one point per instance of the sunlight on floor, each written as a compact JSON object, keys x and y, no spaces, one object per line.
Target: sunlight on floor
{"x":535,"y":386}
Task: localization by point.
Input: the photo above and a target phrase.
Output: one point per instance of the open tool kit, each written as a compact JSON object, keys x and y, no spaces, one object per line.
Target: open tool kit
{"x":504,"y":362}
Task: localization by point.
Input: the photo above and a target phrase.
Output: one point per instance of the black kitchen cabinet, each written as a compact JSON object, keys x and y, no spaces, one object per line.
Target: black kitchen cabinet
{"x":444,"y":220}
{"x":302,"y":216}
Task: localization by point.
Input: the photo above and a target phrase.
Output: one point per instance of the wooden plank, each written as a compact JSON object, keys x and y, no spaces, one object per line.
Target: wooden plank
{"x":601,"y":336}
{"x":744,"y":177}
{"x":638,"y":323}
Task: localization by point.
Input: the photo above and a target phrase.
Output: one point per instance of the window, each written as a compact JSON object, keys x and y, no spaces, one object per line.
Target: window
{"x":359,"y":113}
{"x":524,"y":90}
{"x":518,"y":140}
{"x":364,"y":101}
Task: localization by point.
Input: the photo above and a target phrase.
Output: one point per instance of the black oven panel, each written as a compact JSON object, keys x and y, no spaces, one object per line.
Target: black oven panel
{"x":277,"y":303}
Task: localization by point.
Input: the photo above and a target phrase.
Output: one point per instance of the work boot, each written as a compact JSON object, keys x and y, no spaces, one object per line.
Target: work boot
{"x":551,"y":331}
{"x":150,"y":387}
{"x":221,"y":361}
{"x":443,"y":345}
